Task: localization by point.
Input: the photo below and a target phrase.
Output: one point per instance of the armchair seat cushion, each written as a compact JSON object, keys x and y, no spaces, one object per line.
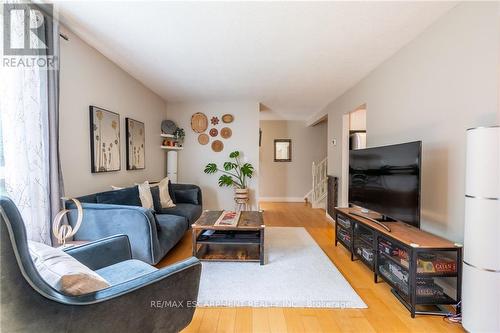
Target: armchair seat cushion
{"x":189,"y":211}
{"x":172,"y":230}
{"x":125,"y":271}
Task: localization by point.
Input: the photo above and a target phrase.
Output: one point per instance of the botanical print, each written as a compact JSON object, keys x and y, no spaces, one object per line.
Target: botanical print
{"x":135,"y":144}
{"x":105,"y":140}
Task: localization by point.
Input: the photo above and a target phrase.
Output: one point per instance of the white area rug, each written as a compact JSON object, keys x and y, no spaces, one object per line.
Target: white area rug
{"x":297,"y":273}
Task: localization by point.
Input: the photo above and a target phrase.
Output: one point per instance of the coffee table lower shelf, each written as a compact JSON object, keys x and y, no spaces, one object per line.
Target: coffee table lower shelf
{"x":228,"y":252}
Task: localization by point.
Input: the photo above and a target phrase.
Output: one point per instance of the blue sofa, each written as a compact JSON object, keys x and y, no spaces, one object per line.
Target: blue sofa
{"x":29,"y":304}
{"x":152,"y":233}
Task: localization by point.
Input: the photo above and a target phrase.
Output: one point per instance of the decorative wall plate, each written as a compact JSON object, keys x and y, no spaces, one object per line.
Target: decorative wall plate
{"x":168,"y":127}
{"x":227,"y":118}
{"x":203,"y":139}
{"x":199,"y":122}
{"x":214,"y":120}
{"x":217,"y":146}
{"x":214,"y":132}
{"x":226,"y":132}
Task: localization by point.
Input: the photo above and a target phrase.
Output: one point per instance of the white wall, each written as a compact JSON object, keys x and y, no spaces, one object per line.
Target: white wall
{"x":89,"y":78}
{"x":290,"y":181}
{"x":194,"y":157}
{"x":440,"y":84}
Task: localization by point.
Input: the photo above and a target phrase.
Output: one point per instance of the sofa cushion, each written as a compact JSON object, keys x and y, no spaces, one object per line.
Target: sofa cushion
{"x":145,"y":195}
{"x":189,"y":211}
{"x":187,"y":196}
{"x":172,"y":228}
{"x":63,"y":272}
{"x":127,"y":196}
{"x":155,"y":192}
{"x":125,"y":271}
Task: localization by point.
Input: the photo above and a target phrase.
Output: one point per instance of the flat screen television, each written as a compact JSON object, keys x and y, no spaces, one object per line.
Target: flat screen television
{"x":387,"y":180}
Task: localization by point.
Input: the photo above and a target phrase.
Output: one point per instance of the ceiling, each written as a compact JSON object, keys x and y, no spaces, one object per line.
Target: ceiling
{"x":294,"y":57}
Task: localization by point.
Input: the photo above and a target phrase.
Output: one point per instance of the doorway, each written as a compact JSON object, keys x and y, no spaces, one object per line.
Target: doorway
{"x":354,"y":136}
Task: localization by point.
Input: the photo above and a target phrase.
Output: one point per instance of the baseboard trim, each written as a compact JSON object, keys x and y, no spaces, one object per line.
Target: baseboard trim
{"x":281,"y":199}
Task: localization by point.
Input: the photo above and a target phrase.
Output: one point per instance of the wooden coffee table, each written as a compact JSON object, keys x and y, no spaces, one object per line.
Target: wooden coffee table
{"x":243,"y":242}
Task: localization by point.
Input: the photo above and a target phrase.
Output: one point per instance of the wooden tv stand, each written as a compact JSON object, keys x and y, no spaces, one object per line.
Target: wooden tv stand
{"x":422,"y":268}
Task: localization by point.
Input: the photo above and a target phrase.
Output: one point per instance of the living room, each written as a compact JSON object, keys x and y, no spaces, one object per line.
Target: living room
{"x":250,"y":166}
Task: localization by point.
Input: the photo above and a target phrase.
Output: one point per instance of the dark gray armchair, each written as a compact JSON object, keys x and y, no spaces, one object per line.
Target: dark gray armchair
{"x":140,"y":298}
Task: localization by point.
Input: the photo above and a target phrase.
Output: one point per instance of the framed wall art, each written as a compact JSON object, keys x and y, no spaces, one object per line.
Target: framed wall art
{"x":104,"y":140}
{"x":136,"y":155}
{"x":282,"y":150}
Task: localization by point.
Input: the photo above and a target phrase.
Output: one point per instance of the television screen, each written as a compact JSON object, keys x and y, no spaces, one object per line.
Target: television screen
{"x":387,"y":180}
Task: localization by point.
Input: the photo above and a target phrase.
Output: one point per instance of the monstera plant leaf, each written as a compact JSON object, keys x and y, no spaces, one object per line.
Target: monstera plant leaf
{"x":210,"y":168}
{"x":234,"y":154}
{"x":230,"y":166}
{"x":247,"y":170}
{"x":225,"y":180}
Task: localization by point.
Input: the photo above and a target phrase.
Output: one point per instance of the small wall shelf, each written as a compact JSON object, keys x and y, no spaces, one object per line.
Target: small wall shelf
{"x":167,"y":135}
{"x":172,"y":148}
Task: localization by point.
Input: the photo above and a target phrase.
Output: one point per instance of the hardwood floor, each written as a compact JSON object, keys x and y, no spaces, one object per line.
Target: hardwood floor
{"x":384,"y":313}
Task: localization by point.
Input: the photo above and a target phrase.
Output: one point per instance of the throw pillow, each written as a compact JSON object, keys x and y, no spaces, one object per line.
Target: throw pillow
{"x":63,"y":272}
{"x":165,"y":198}
{"x":128,"y":196}
{"x":113,"y":187}
{"x":145,"y":195}
{"x":187,"y":196}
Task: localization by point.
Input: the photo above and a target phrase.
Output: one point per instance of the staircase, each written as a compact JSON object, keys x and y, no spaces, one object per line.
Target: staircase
{"x":317,"y":196}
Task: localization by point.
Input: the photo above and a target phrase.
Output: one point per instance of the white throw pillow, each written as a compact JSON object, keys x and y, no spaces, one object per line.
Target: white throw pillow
{"x":116,"y":187}
{"x":145,"y":195}
{"x":165,"y":199}
{"x":63,"y":272}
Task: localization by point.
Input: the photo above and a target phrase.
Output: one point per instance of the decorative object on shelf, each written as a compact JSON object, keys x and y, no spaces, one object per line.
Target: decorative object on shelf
{"x":179,"y":135}
{"x":214,"y":121}
{"x":168,"y":127}
{"x":234,"y":174}
{"x":217,"y":146}
{"x":136,"y":156}
{"x":282,"y":150}
{"x":481,"y":267}
{"x":226,"y":132}
{"x":199,"y":122}
{"x":104,"y":140}
{"x":62,"y":232}
{"x":203,"y":139}
{"x":227,"y":118}
{"x":213,"y":132}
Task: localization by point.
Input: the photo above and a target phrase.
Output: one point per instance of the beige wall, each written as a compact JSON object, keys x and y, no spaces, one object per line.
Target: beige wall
{"x":357,"y":120}
{"x":194,"y":157}
{"x":440,"y":84}
{"x":89,"y":78}
{"x":290,"y":181}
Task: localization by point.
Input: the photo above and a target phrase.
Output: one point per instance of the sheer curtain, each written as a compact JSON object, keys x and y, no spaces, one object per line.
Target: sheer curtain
{"x":29,"y":140}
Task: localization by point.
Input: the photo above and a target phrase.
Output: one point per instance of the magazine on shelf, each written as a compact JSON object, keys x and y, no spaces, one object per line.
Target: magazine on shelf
{"x":228,"y":219}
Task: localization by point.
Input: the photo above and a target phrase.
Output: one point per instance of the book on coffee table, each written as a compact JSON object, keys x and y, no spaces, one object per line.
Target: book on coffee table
{"x":228,"y":219}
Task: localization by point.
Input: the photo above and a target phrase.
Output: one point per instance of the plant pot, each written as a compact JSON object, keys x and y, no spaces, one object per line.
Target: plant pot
{"x":241,"y":194}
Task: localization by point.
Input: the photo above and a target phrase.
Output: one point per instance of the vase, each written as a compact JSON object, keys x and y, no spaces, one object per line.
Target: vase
{"x":241,"y":198}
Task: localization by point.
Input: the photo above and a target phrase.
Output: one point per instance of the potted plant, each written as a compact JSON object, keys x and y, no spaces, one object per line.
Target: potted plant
{"x":234,"y":174}
{"x":179,"y":135}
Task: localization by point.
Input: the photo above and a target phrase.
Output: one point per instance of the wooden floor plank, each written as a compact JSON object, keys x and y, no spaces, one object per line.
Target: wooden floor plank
{"x":384,"y":314}
{"x":227,"y":320}
{"x":260,"y":320}
{"x":210,"y":320}
{"x":243,"y":323}
{"x":277,"y":322}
